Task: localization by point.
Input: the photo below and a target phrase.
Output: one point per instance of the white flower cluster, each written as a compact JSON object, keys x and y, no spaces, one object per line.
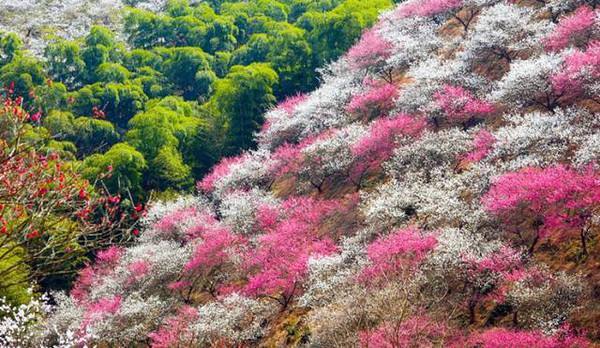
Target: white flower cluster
{"x":16,"y":321}
{"x":252,"y":171}
{"x":528,"y":82}
{"x":503,"y":31}
{"x":545,"y":304}
{"x":413,"y":40}
{"x":329,"y":276}
{"x":235,"y":318}
{"x":432,"y":151}
{"x":534,"y":139}
{"x":323,"y":109}
{"x":238,"y":209}
{"x":330,"y":156}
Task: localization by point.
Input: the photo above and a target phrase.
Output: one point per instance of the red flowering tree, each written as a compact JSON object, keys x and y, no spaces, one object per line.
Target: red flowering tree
{"x":554,"y":201}
{"x":49,"y":215}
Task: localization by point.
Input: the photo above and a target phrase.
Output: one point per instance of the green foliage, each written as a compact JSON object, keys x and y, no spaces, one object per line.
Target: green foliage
{"x":127,"y":169}
{"x":10,"y":45}
{"x":192,"y":87}
{"x":244,"y":95}
{"x":13,"y":283}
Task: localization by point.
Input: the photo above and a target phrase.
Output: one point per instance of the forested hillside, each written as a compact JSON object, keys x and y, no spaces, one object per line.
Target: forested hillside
{"x":439,"y":188}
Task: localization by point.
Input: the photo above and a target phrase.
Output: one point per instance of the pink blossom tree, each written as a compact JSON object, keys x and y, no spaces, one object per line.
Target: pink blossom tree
{"x":440,"y":8}
{"x":207,"y":184}
{"x":397,"y":253}
{"x":175,"y":330}
{"x":279,"y":263}
{"x":482,"y":145}
{"x":376,"y":101}
{"x":371,"y":52}
{"x":460,"y":106}
{"x":505,"y":338}
{"x":89,"y":276}
{"x":211,"y":262}
{"x":580,"y":74}
{"x":377,"y":146}
{"x":575,"y":29}
{"x":550,"y":202}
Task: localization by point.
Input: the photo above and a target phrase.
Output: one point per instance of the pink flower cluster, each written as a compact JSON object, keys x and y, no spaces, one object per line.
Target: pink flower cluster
{"x":213,"y":251}
{"x":92,"y":274}
{"x":505,"y":338}
{"x":377,"y":101}
{"x":379,"y":143}
{"x":459,"y":105}
{"x":175,"y":329}
{"x":580,"y":69}
{"x":416,"y":331}
{"x":427,"y":8}
{"x":280,"y":261}
{"x":207,"y":184}
{"x":482,"y":145}
{"x":574,"y":29}
{"x":560,"y":197}
{"x":369,"y":51}
{"x":399,"y":251}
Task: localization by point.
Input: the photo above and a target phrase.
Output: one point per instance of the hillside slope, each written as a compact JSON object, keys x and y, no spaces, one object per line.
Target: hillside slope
{"x":441,"y":188}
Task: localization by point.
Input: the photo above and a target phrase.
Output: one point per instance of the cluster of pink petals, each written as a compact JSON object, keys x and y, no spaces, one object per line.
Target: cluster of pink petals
{"x":482,"y":145}
{"x":377,"y":101}
{"x":379,"y":143}
{"x":505,"y":338}
{"x":207,"y":184}
{"x":287,"y":158}
{"x":282,"y":255}
{"x":175,"y":329}
{"x":92,"y":274}
{"x":99,"y":309}
{"x":459,"y":105}
{"x":370,"y":50}
{"x":580,"y":67}
{"x":560,"y":196}
{"x":427,"y":8}
{"x":290,"y":103}
{"x":138,"y":270}
{"x":576,"y":27}
{"x":213,"y":251}
{"x":401,"y":250}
